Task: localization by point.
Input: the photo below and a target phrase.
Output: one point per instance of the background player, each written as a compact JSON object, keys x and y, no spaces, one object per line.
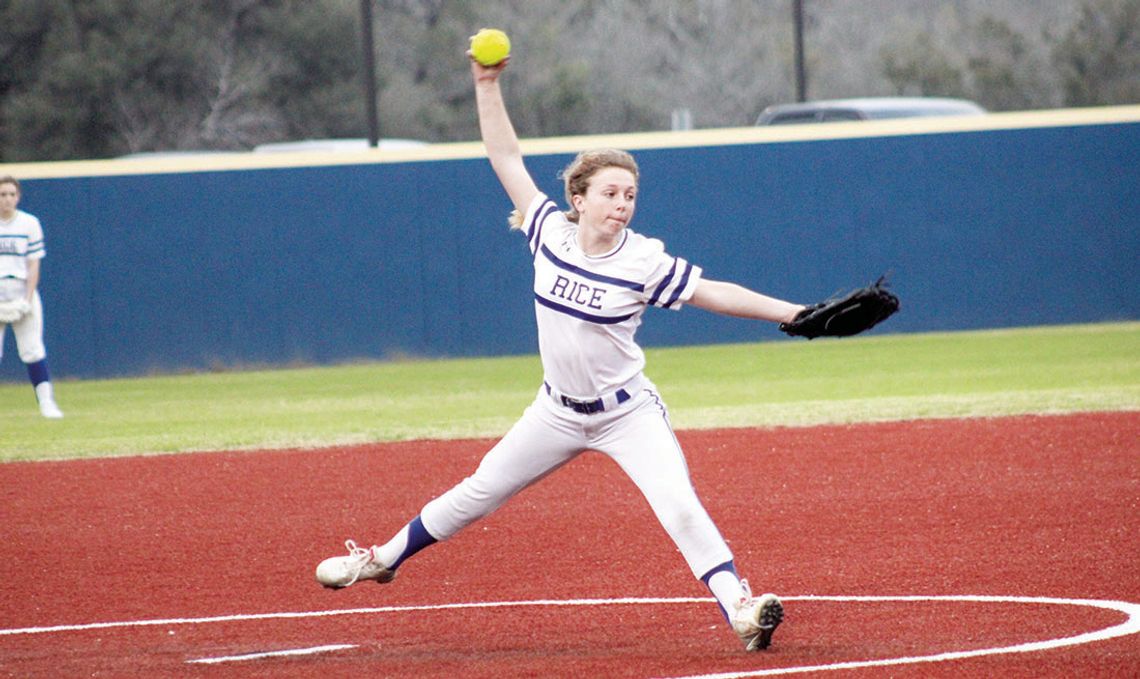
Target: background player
{"x":21,"y":250}
{"x":593,"y":279}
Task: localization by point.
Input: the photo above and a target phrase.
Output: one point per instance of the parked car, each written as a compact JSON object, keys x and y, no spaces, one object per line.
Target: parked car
{"x":866,"y":108}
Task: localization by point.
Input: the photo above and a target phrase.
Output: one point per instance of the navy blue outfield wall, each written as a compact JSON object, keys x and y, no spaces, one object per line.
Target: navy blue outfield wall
{"x":184,"y":271}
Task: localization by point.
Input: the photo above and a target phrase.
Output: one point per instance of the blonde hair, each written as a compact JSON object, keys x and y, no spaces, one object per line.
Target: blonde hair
{"x":577,"y":175}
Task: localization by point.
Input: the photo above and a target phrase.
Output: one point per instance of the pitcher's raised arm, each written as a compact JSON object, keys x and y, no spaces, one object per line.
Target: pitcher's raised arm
{"x":499,"y":136}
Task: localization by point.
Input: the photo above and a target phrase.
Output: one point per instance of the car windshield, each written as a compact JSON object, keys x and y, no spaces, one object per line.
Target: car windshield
{"x":793,"y":118}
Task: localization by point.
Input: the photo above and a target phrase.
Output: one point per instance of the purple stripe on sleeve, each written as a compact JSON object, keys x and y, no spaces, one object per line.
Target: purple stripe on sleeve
{"x":663,"y":285}
{"x":680,"y":287}
{"x":534,"y":233}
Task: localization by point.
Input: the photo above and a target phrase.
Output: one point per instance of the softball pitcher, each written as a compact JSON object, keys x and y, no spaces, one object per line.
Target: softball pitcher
{"x":593,"y":279}
{"x":21,"y":250}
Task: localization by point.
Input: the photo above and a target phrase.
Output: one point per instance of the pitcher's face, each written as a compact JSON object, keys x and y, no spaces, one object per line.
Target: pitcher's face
{"x":609,"y":202}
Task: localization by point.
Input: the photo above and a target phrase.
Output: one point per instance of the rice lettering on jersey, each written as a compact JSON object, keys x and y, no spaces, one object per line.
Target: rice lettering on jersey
{"x":576,"y":292}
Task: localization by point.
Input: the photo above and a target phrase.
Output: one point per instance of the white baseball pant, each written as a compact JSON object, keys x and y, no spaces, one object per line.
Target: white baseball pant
{"x":29,"y":333}
{"x":636,"y":434}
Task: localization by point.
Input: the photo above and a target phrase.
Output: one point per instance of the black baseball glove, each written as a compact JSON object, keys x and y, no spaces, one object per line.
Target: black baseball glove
{"x":858,"y":310}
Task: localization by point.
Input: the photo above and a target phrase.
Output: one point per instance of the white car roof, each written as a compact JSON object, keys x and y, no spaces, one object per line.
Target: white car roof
{"x":882,"y":107}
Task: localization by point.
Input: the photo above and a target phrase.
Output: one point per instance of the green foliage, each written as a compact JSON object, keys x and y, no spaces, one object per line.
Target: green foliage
{"x":561,"y":105}
{"x":992,"y":64}
{"x":1099,"y":57}
{"x":966,"y":374}
{"x":102,"y":78}
{"x":317,"y":87}
{"x":1003,"y":71}
{"x":917,"y":69}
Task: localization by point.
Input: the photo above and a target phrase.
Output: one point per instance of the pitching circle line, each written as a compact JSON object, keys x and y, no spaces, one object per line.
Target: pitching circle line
{"x":1130,"y":626}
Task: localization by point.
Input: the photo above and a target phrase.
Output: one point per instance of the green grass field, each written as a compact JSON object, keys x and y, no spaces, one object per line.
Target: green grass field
{"x":883,"y":377}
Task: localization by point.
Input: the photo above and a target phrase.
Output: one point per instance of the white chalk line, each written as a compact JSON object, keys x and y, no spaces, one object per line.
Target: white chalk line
{"x":344,"y":611}
{"x":1130,"y":626}
{"x":272,"y":654}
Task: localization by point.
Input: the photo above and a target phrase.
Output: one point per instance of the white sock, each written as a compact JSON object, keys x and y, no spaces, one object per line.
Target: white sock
{"x":411,"y":539}
{"x":44,"y":393}
{"x":391,"y":550}
{"x":726,"y":587}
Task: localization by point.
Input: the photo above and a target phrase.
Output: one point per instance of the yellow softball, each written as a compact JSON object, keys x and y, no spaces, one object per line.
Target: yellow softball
{"x":490,"y":46}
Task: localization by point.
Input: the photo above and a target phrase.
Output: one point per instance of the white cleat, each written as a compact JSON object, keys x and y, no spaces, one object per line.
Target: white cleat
{"x":45,"y":396}
{"x":50,"y":410}
{"x":754,"y":620}
{"x":361,"y":564}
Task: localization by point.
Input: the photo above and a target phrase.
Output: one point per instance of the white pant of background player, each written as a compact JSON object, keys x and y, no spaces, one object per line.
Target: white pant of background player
{"x":29,"y":334}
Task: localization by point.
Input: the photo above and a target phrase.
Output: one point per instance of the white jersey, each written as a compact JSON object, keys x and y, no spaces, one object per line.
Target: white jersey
{"x":588,"y":307}
{"x":21,"y":239}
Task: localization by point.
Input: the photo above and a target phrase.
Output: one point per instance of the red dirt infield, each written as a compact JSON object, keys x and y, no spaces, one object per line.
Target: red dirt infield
{"x":202,"y":564}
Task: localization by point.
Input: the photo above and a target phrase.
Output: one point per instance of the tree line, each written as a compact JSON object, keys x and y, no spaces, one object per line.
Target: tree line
{"x":105,"y":78}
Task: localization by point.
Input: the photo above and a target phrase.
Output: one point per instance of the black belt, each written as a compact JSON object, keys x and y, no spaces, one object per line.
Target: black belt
{"x":589,"y":407}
